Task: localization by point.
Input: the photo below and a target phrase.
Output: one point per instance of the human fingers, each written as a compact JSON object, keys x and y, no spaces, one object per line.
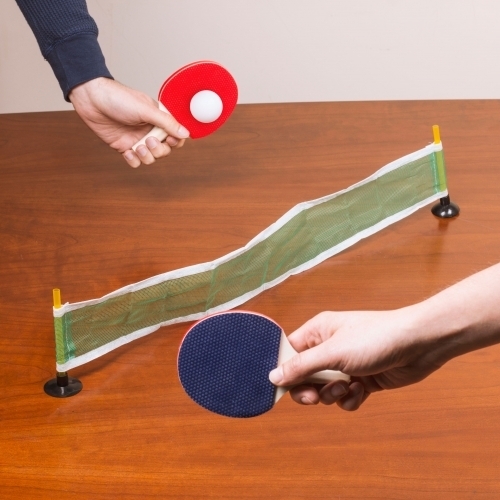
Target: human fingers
{"x":174,"y":142}
{"x":314,"y":331}
{"x":333,"y":392}
{"x":145,"y":155}
{"x":158,"y":149}
{"x":349,"y":397}
{"x":153,"y":149}
{"x":303,"y":364}
{"x":166,"y":122}
{"x":354,"y":398}
{"x":131,"y":158}
{"x":305,"y":395}
{"x":148,"y":153}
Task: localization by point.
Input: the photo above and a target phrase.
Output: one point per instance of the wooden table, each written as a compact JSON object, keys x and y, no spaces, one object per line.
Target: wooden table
{"x":74,"y":216}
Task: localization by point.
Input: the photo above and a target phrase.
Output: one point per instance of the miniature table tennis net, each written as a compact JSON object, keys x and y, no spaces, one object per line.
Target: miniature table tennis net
{"x":306,"y":235}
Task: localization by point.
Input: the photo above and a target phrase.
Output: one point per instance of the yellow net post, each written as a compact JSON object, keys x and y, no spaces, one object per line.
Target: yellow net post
{"x":62,"y":386}
{"x":445,"y":209}
{"x":436,"y":133}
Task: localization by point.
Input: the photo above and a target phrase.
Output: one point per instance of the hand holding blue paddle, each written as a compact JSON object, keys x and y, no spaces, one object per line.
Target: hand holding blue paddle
{"x":225,"y":359}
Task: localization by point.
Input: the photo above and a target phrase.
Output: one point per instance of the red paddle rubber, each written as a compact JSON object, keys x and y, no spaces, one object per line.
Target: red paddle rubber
{"x":178,"y":90}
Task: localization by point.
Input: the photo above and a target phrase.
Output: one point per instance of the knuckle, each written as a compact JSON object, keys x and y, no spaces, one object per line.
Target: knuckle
{"x":323,"y":317}
{"x":314,"y":337}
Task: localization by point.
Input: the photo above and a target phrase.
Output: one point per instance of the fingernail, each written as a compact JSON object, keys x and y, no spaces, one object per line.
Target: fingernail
{"x":182,"y":132}
{"x":338,"y":390}
{"x":276,"y":376}
{"x":129,"y":155}
{"x":142,"y":151}
{"x":152,"y":142}
{"x":306,"y":401}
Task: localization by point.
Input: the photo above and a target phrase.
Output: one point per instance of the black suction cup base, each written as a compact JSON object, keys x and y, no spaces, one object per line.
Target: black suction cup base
{"x":445,"y":209}
{"x":63,"y":387}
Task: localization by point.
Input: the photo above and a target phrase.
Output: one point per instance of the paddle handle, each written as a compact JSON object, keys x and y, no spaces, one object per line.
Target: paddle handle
{"x":157,"y":132}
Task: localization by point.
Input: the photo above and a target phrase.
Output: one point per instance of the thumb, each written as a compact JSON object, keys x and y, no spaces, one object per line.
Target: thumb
{"x":166,"y":122}
{"x":302,"y":365}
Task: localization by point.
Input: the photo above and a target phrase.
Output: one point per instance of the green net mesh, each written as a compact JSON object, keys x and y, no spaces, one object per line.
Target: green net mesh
{"x":307,"y":235}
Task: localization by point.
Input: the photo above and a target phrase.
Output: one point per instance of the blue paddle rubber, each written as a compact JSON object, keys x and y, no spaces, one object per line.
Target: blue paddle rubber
{"x":224,"y":363}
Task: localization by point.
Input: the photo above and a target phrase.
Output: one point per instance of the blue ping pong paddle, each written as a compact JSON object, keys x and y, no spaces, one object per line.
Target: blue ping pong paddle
{"x":225,"y":359}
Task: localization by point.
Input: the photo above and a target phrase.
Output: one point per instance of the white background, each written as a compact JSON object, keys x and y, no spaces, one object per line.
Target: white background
{"x":278,"y":50}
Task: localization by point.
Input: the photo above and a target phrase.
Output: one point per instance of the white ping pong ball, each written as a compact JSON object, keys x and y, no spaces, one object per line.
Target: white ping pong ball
{"x":206,"y":106}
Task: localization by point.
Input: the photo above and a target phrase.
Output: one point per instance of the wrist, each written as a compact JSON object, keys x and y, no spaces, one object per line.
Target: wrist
{"x":84,"y":90}
{"x":461,"y":318}
{"x":439,"y":334}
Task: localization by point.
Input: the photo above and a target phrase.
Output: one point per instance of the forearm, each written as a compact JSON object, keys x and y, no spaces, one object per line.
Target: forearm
{"x":461,"y":318}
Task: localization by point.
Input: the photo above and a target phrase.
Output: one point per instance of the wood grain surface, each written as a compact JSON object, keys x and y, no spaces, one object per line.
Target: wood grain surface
{"x":73,"y":215}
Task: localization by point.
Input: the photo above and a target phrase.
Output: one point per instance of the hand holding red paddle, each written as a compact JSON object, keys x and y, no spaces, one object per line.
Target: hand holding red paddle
{"x":194,"y":102}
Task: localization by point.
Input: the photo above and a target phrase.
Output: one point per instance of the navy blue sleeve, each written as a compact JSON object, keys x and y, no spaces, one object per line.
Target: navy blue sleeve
{"x":67,"y":37}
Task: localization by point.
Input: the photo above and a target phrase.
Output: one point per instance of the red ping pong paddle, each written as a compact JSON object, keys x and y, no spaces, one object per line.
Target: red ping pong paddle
{"x":200,"y":96}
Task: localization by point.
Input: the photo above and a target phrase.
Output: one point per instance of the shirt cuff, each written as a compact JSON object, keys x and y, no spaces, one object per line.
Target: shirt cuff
{"x":77,"y":59}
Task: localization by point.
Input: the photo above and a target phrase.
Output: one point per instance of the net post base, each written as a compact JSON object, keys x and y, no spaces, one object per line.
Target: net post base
{"x":445,"y":209}
{"x":62,"y":386}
